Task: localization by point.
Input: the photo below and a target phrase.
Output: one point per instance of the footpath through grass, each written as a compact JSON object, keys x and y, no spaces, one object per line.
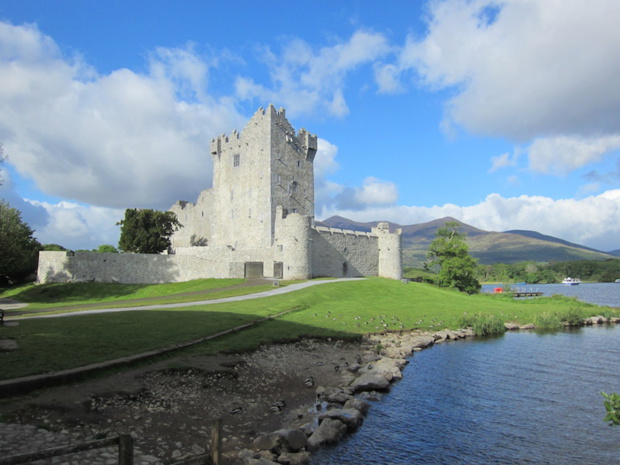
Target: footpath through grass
{"x":343,"y":310}
{"x":109,"y":295}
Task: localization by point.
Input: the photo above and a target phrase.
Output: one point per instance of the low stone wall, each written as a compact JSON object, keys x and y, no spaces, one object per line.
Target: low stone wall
{"x":127,"y":268}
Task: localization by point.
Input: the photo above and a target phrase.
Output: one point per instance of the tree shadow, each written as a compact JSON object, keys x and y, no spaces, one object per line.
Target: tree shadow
{"x":56,"y":351}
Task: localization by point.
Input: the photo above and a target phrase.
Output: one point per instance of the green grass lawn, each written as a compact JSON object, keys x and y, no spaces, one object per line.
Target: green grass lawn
{"x":108,"y":295}
{"x":342,"y":310}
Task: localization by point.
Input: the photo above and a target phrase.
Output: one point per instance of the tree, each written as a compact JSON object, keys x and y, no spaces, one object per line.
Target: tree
{"x":53,"y":248}
{"x":450,"y":252}
{"x":147,"y":231}
{"x":19,"y":251}
{"x":106,"y":248}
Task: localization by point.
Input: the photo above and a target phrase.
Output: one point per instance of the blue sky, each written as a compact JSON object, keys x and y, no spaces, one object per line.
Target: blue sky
{"x":502,"y":114}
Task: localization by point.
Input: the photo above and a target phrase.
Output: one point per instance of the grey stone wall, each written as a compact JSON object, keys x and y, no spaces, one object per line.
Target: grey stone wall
{"x":344,"y":253}
{"x":128,"y":268}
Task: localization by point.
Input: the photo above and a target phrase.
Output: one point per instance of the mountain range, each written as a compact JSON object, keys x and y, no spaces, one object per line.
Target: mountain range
{"x":487,"y":246}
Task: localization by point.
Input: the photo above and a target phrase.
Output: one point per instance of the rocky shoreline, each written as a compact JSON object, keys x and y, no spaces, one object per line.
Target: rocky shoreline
{"x":279,"y":403}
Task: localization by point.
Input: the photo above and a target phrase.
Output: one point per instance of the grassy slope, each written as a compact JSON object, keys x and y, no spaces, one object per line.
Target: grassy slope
{"x":107,"y":295}
{"x":344,"y":310}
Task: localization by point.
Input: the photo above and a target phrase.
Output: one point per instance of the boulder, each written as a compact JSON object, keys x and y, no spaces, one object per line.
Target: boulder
{"x":511,"y":326}
{"x":351,"y":417}
{"x":329,"y":432}
{"x":332,"y":395}
{"x":248,"y":457}
{"x":289,"y":440}
{"x":527,"y":326}
{"x":358,"y":404}
{"x":370,"y":381}
{"x":420,"y":342}
{"x":295,"y":458}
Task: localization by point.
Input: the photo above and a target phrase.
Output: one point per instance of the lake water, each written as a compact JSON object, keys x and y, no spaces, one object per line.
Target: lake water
{"x":596,"y":293}
{"x":523,"y":398}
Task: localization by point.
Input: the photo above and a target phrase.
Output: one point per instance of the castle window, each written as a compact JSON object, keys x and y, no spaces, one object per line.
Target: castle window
{"x":236,"y":160}
{"x":298,"y":163}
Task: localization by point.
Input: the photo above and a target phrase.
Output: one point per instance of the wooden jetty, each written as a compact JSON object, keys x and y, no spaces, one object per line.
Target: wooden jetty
{"x":527,"y":294}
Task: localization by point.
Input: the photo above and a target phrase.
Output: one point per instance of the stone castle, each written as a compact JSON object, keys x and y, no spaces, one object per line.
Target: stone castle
{"x":256,"y":221}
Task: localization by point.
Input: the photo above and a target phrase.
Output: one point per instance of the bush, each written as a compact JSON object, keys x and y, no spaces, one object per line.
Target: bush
{"x":612,"y":405}
{"x":573,"y":316}
{"x":547,"y":321}
{"x":484,"y":324}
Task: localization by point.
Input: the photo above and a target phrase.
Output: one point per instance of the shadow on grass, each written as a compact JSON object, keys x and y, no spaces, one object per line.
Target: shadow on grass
{"x":50,"y":346}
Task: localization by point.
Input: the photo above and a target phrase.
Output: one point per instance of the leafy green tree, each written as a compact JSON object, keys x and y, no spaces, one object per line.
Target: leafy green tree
{"x":106,"y":248}
{"x":450,"y":252}
{"x":53,"y":248}
{"x":612,"y":405}
{"x":147,"y":231}
{"x":19,"y":251}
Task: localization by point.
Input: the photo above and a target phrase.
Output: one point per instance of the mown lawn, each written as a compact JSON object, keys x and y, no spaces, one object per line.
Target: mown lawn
{"x":340,"y":310}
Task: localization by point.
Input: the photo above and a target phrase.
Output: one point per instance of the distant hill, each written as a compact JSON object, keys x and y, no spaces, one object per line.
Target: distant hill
{"x":489,"y":247}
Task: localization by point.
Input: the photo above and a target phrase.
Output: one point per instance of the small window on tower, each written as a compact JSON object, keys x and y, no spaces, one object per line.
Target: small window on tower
{"x":236,"y":159}
{"x":298,"y":163}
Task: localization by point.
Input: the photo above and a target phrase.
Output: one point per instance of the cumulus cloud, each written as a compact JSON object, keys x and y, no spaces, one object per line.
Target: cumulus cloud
{"x":596,"y":225}
{"x":373,"y":192}
{"x":76,"y":226}
{"x":524,"y":70}
{"x":116,"y":140}
{"x":306,"y":80}
{"x":563,"y":154}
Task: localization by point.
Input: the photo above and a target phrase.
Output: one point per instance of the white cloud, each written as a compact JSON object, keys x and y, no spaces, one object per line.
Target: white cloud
{"x":502,"y":161}
{"x":534,"y":68}
{"x":596,"y":225}
{"x":373,"y":192}
{"x":75,"y":226}
{"x":523,"y":70}
{"x":563,"y":154}
{"x":377,"y":192}
{"x":306,"y":80}
{"x":119,"y":140}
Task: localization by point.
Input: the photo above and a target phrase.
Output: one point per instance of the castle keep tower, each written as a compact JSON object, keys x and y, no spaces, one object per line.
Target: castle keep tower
{"x":265,"y":166}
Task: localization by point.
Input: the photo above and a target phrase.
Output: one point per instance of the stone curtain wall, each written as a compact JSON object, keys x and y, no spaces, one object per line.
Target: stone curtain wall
{"x":344,"y":253}
{"x":128,"y":268}
{"x":196,"y":221}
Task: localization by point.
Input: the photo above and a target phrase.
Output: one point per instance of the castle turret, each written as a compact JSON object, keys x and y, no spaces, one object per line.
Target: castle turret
{"x":390,"y":251}
{"x":293,"y":245}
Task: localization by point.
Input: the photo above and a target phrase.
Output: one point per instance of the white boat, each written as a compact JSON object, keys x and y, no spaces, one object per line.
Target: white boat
{"x":571,"y":281}
{"x":617,"y":281}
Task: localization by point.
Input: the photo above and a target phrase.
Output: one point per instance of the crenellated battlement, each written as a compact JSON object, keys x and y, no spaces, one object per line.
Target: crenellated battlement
{"x":301,"y":140}
{"x":345,"y":232}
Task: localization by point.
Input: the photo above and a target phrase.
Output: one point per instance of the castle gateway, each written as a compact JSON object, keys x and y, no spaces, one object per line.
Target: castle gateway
{"x":256,"y":221}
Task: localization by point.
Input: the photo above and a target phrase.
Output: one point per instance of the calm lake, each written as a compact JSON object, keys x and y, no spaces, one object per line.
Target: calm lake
{"x":523,"y":398}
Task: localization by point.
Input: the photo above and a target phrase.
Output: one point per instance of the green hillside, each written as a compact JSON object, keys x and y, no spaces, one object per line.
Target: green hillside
{"x":489,"y":247}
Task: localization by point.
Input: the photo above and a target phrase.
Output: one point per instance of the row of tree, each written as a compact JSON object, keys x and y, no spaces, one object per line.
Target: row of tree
{"x":602,"y":271}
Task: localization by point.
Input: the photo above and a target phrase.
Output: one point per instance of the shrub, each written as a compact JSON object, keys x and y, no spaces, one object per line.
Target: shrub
{"x":573,"y":316}
{"x":612,"y":405}
{"x":547,"y":321}
{"x":484,"y":324}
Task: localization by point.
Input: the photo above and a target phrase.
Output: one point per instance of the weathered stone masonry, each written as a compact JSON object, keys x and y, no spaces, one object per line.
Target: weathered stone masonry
{"x":256,"y":221}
